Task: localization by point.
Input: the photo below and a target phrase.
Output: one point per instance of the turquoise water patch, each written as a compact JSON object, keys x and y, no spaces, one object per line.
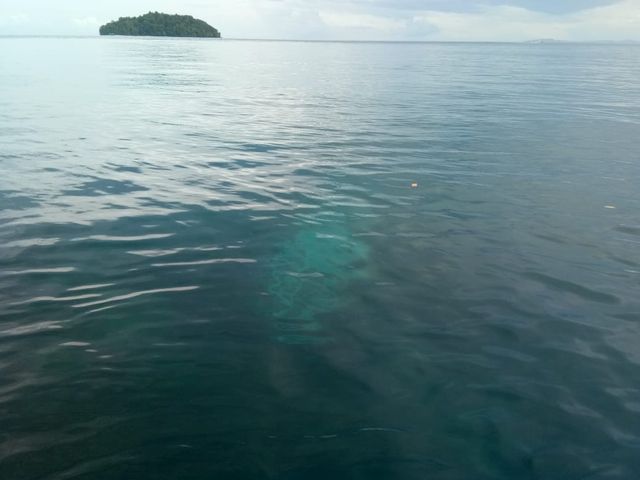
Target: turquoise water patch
{"x":308,"y":278}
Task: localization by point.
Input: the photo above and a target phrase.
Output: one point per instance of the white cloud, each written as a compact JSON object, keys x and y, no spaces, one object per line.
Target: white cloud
{"x":86,"y":22}
{"x":360,"y":20}
{"x":614,"y":22}
{"x":15,"y":19}
{"x":493,"y":23}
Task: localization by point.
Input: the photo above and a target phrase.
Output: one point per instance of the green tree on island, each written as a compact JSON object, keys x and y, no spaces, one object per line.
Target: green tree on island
{"x":155,"y":24}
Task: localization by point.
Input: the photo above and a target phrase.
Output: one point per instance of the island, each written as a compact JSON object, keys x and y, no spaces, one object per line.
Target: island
{"x":154,"y":24}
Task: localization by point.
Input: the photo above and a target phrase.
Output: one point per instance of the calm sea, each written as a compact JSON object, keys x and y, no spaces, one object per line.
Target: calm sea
{"x":214,"y":265}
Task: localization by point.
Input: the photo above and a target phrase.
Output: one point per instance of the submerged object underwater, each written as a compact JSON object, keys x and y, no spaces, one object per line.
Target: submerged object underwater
{"x":308,"y":278}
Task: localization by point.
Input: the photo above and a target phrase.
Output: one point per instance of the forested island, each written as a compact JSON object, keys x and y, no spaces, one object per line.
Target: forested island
{"x":155,"y":24}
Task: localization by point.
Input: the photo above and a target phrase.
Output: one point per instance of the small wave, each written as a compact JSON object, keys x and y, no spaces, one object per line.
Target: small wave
{"x":129,"y":296}
{"x":75,"y":344}
{"x":212,"y":261}
{"x":629,"y":229}
{"x":30,"y":329}
{"x":110,"y":238}
{"x":573,"y":288}
{"x":171,"y":251}
{"x":32,"y":242}
{"x":90,"y":287}
{"x":41,"y":270}
{"x":57,"y":299}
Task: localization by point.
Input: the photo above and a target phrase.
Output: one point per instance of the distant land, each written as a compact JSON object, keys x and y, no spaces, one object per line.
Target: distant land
{"x":154,"y":24}
{"x":539,"y":41}
{"x":545,"y":41}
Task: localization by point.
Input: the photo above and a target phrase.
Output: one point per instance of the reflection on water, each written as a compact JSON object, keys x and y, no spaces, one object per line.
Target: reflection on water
{"x":213,"y":265}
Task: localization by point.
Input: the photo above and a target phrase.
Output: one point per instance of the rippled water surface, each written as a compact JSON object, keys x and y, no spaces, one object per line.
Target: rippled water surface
{"x":213,"y":265}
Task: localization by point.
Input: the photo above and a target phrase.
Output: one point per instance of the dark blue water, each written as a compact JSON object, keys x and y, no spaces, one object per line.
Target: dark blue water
{"x":213,"y":264}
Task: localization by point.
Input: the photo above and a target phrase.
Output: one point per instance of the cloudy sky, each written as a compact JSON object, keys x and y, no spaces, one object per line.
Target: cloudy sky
{"x":482,"y":20}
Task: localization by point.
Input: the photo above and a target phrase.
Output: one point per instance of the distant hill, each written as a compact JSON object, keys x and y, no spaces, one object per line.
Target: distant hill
{"x":155,"y":24}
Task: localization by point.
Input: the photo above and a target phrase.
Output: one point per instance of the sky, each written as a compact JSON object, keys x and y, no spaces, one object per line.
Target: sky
{"x":431,"y":20}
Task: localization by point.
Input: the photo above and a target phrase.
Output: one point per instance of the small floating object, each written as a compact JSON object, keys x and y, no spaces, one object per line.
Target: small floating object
{"x":610,"y":207}
{"x":414,"y":185}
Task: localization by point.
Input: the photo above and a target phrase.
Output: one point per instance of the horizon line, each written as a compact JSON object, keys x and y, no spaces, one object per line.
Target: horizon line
{"x":535,"y":41}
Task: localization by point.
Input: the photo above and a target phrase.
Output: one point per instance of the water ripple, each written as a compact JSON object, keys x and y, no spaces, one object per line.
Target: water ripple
{"x":131,"y":295}
{"x":309,"y":260}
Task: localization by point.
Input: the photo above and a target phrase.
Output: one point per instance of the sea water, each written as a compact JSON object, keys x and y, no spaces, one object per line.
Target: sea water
{"x":281,"y":260}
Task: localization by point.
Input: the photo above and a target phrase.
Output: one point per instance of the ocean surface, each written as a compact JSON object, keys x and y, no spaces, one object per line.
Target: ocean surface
{"x":214,"y":265}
